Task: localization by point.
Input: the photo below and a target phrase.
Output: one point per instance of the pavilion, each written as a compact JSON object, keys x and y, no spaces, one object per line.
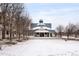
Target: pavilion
{"x":42,"y":29}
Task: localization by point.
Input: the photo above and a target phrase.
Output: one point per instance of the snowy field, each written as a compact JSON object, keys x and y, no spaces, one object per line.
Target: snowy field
{"x":42,"y":47}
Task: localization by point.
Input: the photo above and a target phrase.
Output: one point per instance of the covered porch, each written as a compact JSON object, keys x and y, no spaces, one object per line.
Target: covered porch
{"x":42,"y":33}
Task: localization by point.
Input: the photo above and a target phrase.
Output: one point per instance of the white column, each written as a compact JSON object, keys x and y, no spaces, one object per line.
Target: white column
{"x":39,"y":34}
{"x":49,"y":34}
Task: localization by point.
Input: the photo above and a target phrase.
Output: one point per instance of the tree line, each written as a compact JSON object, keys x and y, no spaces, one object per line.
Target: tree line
{"x":14,"y":21}
{"x":70,"y":30}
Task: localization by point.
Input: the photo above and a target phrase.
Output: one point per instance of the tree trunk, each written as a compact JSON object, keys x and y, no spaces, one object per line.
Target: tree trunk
{"x":3,"y":24}
{"x":10,"y":33}
{"x":76,"y":35}
{"x":3,"y":30}
{"x":23,"y":36}
{"x":60,"y":35}
{"x":3,"y":34}
{"x":67,"y":36}
{"x":19,"y":36}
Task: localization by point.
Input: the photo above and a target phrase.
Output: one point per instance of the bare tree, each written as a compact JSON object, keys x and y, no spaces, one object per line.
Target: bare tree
{"x":22,"y":21}
{"x":76,"y":31}
{"x":11,"y":16}
{"x":25,"y":25}
{"x":13,"y":19}
{"x":70,"y":28}
{"x":19,"y":10}
{"x":60,"y":29}
{"x":4,"y":8}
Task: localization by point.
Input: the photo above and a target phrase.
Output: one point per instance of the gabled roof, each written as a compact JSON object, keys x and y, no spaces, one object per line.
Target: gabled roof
{"x":35,"y":28}
{"x":33,"y":25}
{"x":42,"y":31}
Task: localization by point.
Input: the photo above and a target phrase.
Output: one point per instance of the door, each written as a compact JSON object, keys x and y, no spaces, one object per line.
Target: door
{"x":41,"y":34}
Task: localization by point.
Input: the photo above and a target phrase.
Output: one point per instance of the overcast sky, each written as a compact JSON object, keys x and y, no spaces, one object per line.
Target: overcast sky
{"x":56,"y":14}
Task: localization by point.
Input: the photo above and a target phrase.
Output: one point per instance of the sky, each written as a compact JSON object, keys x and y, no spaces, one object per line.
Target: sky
{"x":54,"y":13}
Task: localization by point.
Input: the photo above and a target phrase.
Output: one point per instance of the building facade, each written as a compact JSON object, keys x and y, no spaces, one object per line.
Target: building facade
{"x":42,"y":29}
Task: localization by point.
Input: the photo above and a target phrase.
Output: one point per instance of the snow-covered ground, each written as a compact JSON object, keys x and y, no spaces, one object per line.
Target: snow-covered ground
{"x":42,"y":47}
